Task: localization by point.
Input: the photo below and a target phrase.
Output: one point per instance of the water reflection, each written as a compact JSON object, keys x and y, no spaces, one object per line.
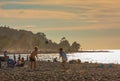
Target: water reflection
{"x":92,"y":57}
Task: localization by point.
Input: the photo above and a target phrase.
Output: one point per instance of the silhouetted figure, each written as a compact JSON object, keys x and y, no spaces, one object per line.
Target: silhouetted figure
{"x":27,"y":57}
{"x":55,"y":60}
{"x":23,"y":59}
{"x":5,"y":53}
{"x":14,"y":57}
{"x":20,"y":62}
{"x":33,"y":59}
{"x":64,"y":57}
{"x":19,"y":57}
{"x":79,"y":61}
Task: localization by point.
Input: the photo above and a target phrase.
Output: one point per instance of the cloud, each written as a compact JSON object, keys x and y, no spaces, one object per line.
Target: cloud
{"x":36,"y":14}
{"x":101,"y":13}
{"x":62,"y":2}
{"x":67,"y":3}
{"x":94,"y":27}
{"x":96,"y":10}
{"x":77,"y":28}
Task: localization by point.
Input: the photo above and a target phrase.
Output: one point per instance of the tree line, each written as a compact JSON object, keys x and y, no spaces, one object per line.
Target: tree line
{"x":22,"y":41}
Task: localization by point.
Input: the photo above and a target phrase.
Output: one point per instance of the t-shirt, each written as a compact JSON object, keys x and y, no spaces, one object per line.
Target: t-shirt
{"x":62,"y":54}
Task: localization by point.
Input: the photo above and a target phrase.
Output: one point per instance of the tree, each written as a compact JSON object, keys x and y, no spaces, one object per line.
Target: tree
{"x":62,"y":39}
{"x":64,"y":43}
{"x":75,"y":46}
{"x":22,"y":41}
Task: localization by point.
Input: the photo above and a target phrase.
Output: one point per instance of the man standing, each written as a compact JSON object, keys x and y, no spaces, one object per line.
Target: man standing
{"x":33,"y":58}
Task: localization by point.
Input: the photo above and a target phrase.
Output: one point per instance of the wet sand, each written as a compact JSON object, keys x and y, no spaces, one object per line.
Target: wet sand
{"x":49,"y":71}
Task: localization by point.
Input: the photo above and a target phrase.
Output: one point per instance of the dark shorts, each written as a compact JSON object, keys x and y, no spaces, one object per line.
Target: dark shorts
{"x":32,"y":59}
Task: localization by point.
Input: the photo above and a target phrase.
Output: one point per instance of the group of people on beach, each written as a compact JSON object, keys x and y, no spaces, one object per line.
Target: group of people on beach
{"x":13,"y":62}
{"x":32,"y":58}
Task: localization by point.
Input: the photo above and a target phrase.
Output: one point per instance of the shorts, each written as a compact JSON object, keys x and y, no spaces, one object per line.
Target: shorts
{"x":32,"y":59}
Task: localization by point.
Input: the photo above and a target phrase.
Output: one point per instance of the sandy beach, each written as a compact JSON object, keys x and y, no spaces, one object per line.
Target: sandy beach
{"x":49,"y":71}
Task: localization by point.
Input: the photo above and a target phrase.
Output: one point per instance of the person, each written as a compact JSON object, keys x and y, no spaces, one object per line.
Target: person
{"x":32,"y":57}
{"x":64,"y":57}
{"x":20,"y":63}
{"x":14,"y":57}
{"x":19,"y":57}
{"x":5,"y":53}
{"x":27,"y":57}
{"x":55,"y":60}
{"x":0,"y":63}
{"x":79,"y":61}
{"x":23,"y":61}
{"x":10,"y":63}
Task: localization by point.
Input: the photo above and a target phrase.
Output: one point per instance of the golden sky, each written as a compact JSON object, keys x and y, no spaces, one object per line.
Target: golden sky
{"x":95,"y":24}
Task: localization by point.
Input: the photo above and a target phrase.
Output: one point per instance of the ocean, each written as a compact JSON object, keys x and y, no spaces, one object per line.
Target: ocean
{"x":113,"y":56}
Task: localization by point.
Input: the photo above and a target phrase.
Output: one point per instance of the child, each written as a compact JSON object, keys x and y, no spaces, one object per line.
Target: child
{"x":63,"y":56}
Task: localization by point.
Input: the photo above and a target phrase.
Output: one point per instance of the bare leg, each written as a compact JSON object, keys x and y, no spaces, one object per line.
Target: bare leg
{"x":63,"y":64}
{"x":34,"y":64}
{"x":31,"y":66}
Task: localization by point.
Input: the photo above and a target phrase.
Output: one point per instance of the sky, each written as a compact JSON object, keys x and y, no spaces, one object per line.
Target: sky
{"x":95,"y":24}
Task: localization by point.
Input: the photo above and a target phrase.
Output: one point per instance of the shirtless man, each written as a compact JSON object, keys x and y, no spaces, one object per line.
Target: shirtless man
{"x":33,"y":58}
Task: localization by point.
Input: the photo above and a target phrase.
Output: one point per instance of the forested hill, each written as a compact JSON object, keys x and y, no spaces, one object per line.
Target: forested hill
{"x":22,"y":41}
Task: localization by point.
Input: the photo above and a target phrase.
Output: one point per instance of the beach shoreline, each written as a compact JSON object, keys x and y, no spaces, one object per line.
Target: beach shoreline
{"x":52,"y":71}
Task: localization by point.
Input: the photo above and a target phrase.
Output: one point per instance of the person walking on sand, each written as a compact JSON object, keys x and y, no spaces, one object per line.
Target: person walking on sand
{"x":33,"y":56}
{"x":64,"y":57}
